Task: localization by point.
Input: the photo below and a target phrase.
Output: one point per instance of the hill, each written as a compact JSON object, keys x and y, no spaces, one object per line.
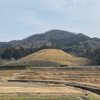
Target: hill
{"x":49,"y":38}
{"x":72,"y":43}
{"x":55,"y":55}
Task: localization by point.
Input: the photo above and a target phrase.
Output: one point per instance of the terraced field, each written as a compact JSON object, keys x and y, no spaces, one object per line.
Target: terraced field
{"x":7,"y":74}
{"x":75,"y":74}
{"x":48,"y":91}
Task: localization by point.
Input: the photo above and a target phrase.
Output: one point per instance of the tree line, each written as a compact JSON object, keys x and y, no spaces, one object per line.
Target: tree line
{"x":17,"y":53}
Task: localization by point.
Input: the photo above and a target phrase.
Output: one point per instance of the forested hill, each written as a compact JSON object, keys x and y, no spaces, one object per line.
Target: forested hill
{"x":49,"y":38}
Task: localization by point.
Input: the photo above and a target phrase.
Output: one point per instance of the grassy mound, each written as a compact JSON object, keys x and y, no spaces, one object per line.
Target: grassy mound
{"x":57,"y":56}
{"x":50,"y":57}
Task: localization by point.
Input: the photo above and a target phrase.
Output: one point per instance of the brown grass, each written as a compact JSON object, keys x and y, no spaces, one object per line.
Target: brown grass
{"x":40,"y":90}
{"x":7,"y":74}
{"x":85,"y":75}
{"x":57,"y":56}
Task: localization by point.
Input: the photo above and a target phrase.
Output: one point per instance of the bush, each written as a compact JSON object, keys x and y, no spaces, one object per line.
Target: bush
{"x":63,"y":65}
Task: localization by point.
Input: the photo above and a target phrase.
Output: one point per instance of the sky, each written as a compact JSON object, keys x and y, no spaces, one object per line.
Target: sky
{"x":22,"y":18}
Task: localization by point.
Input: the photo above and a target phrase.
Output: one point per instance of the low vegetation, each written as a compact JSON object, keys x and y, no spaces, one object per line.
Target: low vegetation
{"x":89,"y":75}
{"x":8,"y":74}
{"x":48,"y":91}
{"x":13,"y":67}
{"x":35,"y":97}
{"x":57,"y":55}
{"x":34,"y":63}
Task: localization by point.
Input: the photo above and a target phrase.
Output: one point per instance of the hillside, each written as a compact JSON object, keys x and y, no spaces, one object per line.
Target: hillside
{"x":49,"y":38}
{"x":55,"y":55}
{"x":58,"y":39}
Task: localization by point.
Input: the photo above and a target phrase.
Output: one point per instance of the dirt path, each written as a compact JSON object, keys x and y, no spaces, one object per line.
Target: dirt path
{"x":14,"y":77}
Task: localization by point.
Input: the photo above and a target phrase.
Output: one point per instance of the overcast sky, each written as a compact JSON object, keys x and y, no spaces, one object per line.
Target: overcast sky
{"x":22,"y":18}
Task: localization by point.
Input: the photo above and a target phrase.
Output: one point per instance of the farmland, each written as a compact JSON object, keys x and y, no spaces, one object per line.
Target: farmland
{"x":75,"y":74}
{"x":49,"y":91}
{"x":7,"y":74}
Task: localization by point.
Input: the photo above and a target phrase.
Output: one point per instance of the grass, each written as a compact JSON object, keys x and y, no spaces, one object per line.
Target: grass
{"x":7,"y":74}
{"x":50,"y":97}
{"x":84,"y":75}
{"x":52,"y":55}
{"x":35,"y":63}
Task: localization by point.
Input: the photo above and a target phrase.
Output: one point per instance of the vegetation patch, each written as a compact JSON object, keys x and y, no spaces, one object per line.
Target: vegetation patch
{"x":73,"y":74}
{"x":34,"y":63}
{"x":48,"y":97}
{"x":8,"y":74}
{"x":13,"y":67}
{"x":63,"y":65}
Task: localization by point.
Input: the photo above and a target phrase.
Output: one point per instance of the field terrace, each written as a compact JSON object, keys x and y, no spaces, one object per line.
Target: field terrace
{"x":73,"y":74}
{"x":8,"y":74}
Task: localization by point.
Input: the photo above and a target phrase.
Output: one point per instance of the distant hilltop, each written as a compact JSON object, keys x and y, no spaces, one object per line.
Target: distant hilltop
{"x":49,"y":38}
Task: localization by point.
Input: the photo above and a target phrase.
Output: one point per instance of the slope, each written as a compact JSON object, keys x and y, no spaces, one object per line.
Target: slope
{"x":57,"y":56}
{"x":49,"y":38}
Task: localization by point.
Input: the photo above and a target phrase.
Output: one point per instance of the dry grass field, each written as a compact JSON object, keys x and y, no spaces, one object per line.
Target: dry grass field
{"x":43,"y":91}
{"x":47,"y":91}
{"x":85,"y":74}
{"x":38,"y":89}
{"x":8,"y":74}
